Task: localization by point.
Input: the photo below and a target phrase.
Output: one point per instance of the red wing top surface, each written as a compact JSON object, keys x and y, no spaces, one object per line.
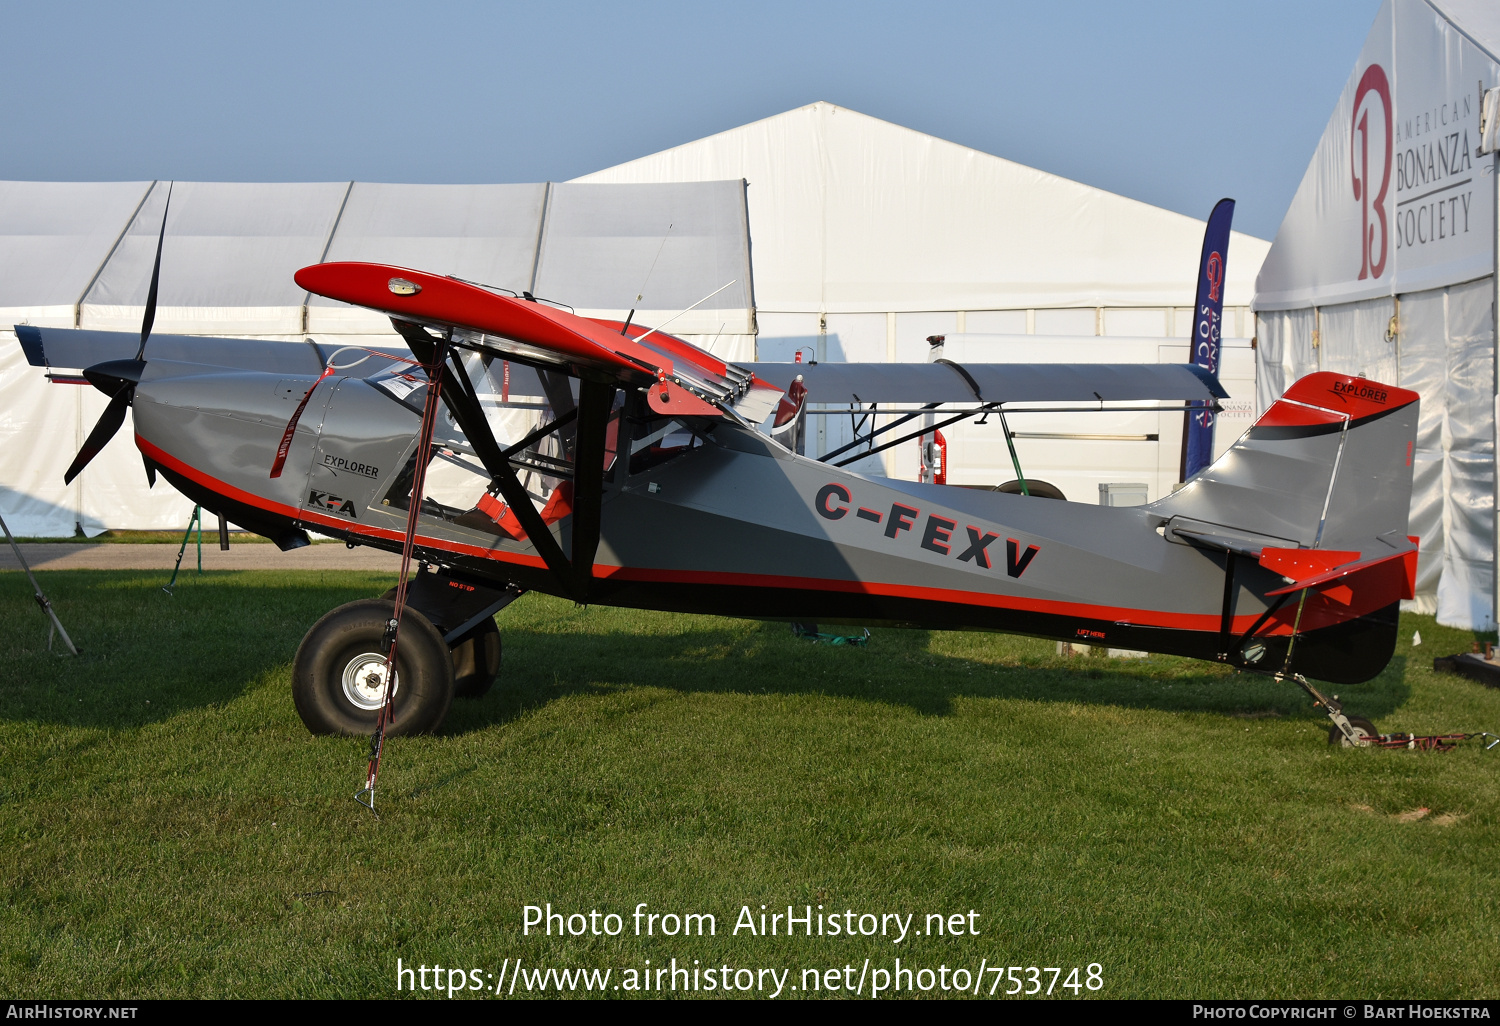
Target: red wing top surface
{"x":432,"y":299}
{"x":535,"y":331}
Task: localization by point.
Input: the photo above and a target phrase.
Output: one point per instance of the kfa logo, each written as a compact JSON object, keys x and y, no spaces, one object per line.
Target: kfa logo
{"x":333,"y":503}
{"x":1374,"y":91}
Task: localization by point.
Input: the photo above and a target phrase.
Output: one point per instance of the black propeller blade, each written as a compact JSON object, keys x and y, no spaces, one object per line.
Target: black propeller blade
{"x":109,"y":422}
{"x":150,"y":315}
{"x":118,"y":378}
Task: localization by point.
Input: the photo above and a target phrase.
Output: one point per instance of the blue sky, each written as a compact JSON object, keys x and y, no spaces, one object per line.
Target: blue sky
{"x":1172,"y":103}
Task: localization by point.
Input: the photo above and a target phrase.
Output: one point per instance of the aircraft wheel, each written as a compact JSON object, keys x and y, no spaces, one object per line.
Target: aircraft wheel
{"x":1038,"y":489}
{"x":338,"y":676}
{"x":476,"y":661}
{"x":1360,"y":725}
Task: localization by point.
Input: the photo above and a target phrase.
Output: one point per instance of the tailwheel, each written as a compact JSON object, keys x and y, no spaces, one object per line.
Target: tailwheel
{"x":1363,"y":728}
{"x":1361,"y":733}
{"x":338,"y":676}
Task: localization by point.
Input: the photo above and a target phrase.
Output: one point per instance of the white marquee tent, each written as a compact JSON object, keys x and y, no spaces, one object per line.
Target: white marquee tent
{"x":1385,"y":266}
{"x":80,"y":254}
{"x":877,"y":236}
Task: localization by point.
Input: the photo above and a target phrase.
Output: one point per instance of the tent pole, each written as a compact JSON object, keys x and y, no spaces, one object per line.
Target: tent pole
{"x":1487,"y":144}
{"x":1495,"y":387}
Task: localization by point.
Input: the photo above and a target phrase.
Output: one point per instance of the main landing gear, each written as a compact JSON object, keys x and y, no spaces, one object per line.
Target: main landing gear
{"x":449,"y":647}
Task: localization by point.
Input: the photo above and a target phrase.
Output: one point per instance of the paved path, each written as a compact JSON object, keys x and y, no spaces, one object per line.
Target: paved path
{"x":243,"y":556}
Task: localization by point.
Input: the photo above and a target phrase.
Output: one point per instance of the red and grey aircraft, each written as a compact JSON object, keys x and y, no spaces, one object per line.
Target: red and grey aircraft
{"x":613,"y":464}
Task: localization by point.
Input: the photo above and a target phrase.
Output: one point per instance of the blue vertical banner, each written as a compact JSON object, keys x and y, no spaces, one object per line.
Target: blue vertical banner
{"x":1208,"y":320}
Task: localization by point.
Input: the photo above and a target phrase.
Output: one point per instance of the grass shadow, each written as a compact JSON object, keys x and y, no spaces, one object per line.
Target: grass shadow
{"x":922,"y":670}
{"x":148,"y":656}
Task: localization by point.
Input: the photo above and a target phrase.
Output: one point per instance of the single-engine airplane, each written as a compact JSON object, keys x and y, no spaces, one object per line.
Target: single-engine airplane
{"x":615,"y":464}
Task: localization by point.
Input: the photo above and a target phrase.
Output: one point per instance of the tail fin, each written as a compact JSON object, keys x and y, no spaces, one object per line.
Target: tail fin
{"x":1317,"y":492}
{"x":1327,"y":466}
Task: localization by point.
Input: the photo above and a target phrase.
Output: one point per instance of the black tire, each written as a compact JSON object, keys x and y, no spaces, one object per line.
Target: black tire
{"x":476,"y":661}
{"x":1037,"y":490}
{"x":1359,"y":723}
{"x":332,"y":684}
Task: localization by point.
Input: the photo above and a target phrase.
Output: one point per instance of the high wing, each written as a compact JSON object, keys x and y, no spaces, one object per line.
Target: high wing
{"x":687,"y":380}
{"x":946,"y":381}
{"x":60,"y":350}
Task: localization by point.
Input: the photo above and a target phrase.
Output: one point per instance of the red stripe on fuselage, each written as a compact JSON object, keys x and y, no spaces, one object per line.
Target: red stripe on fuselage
{"x":1206,"y":622}
{"x":302,"y":515}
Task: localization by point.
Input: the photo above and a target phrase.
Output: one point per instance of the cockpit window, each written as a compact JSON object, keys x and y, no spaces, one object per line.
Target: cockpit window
{"x":458,"y":487}
{"x":658,"y":440}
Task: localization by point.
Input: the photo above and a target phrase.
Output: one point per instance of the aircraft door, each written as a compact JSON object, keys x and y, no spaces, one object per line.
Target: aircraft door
{"x":357,"y":444}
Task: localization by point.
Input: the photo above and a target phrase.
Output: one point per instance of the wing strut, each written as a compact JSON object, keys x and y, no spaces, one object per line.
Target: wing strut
{"x":874,"y":431}
{"x":592,"y":417}
{"x":915,"y":434}
{"x":1010,"y":438}
{"x":595,"y":399}
{"x":476,"y":429}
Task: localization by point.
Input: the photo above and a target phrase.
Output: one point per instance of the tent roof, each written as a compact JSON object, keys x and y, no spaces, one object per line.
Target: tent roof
{"x":482,"y":232}
{"x":1426,"y":218}
{"x":654,"y":247}
{"x":228,"y":254}
{"x":57,"y":236}
{"x":1479,"y":20}
{"x":85,"y":250}
{"x":850,"y":213}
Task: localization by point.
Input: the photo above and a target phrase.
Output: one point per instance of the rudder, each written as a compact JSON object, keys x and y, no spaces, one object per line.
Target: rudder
{"x":1318,"y":494}
{"x":1329,"y":465}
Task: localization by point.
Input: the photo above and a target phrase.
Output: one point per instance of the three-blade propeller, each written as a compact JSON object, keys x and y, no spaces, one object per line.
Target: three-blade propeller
{"x":118,"y":378}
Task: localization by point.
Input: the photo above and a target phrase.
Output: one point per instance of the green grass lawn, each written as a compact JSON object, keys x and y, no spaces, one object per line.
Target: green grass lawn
{"x":168,"y":828}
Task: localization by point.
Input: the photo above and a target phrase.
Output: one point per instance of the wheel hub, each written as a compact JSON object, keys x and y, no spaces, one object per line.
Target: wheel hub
{"x":1362,"y":737}
{"x":364,"y":681}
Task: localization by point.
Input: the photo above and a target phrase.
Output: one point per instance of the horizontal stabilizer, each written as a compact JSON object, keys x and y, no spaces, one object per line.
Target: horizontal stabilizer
{"x":949,"y":382}
{"x":1303,"y":566}
{"x":1393,"y":572}
{"x":1215,"y":536}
